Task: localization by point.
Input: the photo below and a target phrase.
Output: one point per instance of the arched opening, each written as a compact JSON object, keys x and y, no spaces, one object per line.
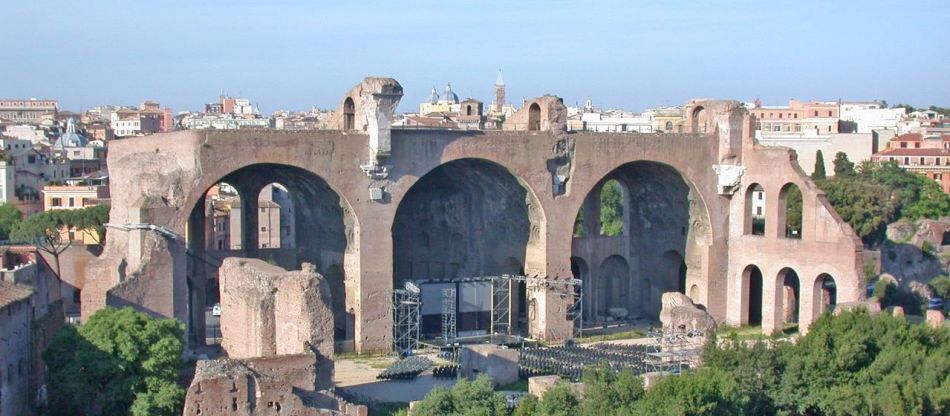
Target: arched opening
{"x":342,"y":320}
{"x":699,"y":119}
{"x":308,"y":202}
{"x":534,"y":117}
{"x":662,"y":222}
{"x":349,"y":114}
{"x":614,"y":288}
{"x":674,"y":269}
{"x":790,"y":211}
{"x":826,"y":294}
{"x":752,"y":296}
{"x":580,"y":271}
{"x":755,"y":210}
{"x":223,"y":218}
{"x":275,"y":218}
{"x":790,"y":296}
{"x":694,"y":293}
{"x":669,"y":126}
{"x":480,"y":221}
{"x":468,"y":109}
{"x":518,"y":296}
{"x":612,"y":203}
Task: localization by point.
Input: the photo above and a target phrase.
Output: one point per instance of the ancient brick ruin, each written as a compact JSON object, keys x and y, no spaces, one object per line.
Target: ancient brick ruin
{"x":377,"y":205}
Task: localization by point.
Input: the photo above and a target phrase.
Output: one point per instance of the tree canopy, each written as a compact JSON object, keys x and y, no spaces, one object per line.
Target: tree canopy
{"x":9,"y":217}
{"x":119,"y":362}
{"x":819,"y":172}
{"x":848,"y":364}
{"x":876,"y":195}
{"x":611,"y":209}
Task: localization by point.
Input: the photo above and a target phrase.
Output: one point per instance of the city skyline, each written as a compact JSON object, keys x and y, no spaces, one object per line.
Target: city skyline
{"x":294,"y":55}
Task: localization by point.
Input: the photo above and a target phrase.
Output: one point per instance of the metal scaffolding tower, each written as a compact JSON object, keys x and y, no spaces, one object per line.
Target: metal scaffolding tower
{"x":449,"y":330}
{"x":406,"y":318}
{"x":501,"y":304}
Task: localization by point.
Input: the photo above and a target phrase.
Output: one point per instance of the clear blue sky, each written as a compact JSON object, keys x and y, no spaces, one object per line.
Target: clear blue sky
{"x":294,"y":54}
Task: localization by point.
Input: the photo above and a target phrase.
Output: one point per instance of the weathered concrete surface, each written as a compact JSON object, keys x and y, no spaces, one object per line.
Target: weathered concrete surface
{"x":286,"y":384}
{"x":680,"y":313}
{"x":935,"y":319}
{"x":540,"y":384}
{"x":161,"y":179}
{"x":266,"y":311}
{"x":498,"y":363}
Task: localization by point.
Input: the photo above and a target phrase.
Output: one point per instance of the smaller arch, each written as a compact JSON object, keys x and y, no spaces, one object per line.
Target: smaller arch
{"x":349,"y":114}
{"x":468,"y":109}
{"x":276,"y":220}
{"x":580,"y":271}
{"x":694,"y":293}
{"x":534,"y":117}
{"x":755,"y":199}
{"x":790,"y":211}
{"x":751,"y":295}
{"x":789,"y":299}
{"x":613,"y":285}
{"x":698,"y":122}
{"x":669,"y":126}
{"x":825,"y":291}
{"x":223,"y":218}
{"x":613,"y":203}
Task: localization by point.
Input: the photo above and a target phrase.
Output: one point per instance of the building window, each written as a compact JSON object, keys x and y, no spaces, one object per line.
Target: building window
{"x":829,"y":113}
{"x":263,"y":229}
{"x":906,"y":160}
{"x":796,"y":115}
{"x":72,"y":202}
{"x":916,"y":145}
{"x":263,"y":209}
{"x":56,"y":202}
{"x":816,"y":113}
{"x":903,"y":145}
{"x":922,"y":161}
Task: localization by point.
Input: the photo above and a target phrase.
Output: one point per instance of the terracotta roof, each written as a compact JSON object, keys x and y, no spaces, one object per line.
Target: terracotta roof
{"x":12,"y":292}
{"x":915,"y":152}
{"x":909,"y":137}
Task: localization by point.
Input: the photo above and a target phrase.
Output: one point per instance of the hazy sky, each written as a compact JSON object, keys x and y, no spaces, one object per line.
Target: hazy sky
{"x":634,"y":55}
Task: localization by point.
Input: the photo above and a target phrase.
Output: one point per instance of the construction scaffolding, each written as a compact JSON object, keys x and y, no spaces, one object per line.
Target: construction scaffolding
{"x":406,"y":316}
{"x":568,"y":289}
{"x":501,"y":304}
{"x":449,"y":320}
{"x":676,"y":350}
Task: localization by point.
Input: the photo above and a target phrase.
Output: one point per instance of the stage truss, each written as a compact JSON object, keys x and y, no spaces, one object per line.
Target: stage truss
{"x":406,"y":304}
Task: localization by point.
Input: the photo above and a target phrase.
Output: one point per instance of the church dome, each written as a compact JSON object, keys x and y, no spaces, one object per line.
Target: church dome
{"x":71,"y":138}
{"x":448,"y":97}
{"x":433,"y":97}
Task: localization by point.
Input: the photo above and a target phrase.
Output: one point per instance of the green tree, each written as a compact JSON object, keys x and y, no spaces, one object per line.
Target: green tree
{"x":9,"y":217}
{"x":466,"y":398}
{"x":558,"y":401}
{"x":611,"y":209}
{"x":819,"y":172}
{"x":43,"y":229}
{"x":119,"y":362}
{"x":607,"y":392}
{"x":941,"y":287}
{"x":705,"y":392}
{"x":843,"y":166}
{"x":866,"y":206}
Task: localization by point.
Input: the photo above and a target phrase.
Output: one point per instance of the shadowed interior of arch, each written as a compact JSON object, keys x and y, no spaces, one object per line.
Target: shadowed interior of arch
{"x":466,"y":218}
{"x":228,"y":223}
{"x":644,"y":253}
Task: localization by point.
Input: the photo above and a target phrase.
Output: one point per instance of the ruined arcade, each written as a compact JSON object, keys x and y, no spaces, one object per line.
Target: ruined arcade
{"x":375,"y":206}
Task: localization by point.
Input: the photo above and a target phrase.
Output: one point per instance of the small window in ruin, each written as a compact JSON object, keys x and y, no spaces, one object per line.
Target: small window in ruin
{"x":946,"y":239}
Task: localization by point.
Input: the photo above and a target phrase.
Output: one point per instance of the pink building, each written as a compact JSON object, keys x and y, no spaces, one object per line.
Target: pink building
{"x":929,"y":156}
{"x":805,"y":119}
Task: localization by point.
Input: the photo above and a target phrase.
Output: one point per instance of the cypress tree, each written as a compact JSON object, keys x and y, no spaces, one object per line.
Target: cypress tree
{"x":819,"y":172}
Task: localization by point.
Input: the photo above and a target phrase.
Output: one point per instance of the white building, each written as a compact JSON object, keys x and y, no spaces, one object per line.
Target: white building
{"x":24,"y":173}
{"x":31,"y":133}
{"x":224,"y":122}
{"x":865,"y":117}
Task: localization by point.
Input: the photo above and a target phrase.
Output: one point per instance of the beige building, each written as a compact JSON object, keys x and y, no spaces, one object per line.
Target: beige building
{"x":27,"y":111}
{"x":75,"y":197}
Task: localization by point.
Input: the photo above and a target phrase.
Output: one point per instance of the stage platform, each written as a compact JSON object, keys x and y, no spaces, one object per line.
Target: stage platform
{"x":498,"y":339}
